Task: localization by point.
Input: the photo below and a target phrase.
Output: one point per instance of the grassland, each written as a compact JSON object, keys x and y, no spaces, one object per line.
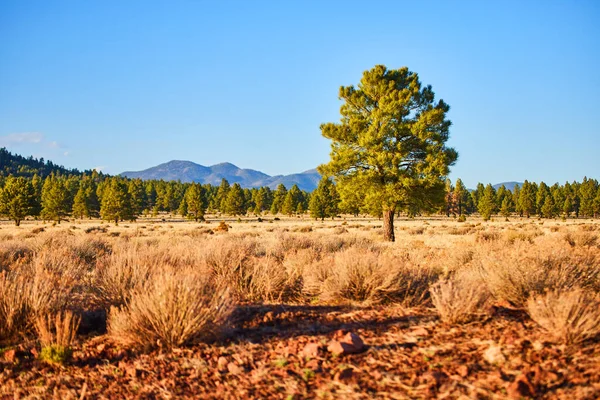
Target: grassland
{"x":164,"y":308}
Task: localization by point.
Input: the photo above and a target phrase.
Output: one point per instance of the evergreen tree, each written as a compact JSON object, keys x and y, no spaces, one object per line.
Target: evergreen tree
{"x":587,"y":194}
{"x":547,"y":210}
{"x":292,"y":198}
{"x":391,"y":143}
{"x":527,"y":199}
{"x":487,"y":203}
{"x":462,"y":196}
{"x":540,"y":197}
{"x":196,"y":201}
{"x":506,"y":207}
{"x":324,"y":200}
{"x":137,"y":192}
{"x":55,"y":199}
{"x":221,"y":197}
{"x":80,"y":204}
{"x":567,"y":207}
{"x":17,"y":199}
{"x":116,"y":202}
{"x":234,"y":203}
{"x":278,"y":198}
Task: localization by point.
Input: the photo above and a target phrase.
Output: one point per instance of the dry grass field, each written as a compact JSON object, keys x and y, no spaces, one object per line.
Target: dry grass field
{"x":297,"y":308}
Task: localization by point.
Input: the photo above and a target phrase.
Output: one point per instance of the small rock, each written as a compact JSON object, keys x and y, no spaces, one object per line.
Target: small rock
{"x":351,"y":343}
{"x":234,"y":369}
{"x":520,"y":388}
{"x":311,"y":350}
{"x":494,"y":355}
{"x":346,"y":375}
{"x":420,"y":331}
{"x":222,"y":364}
{"x":101,"y":347}
{"x":463,"y":371}
{"x":315,"y":365}
{"x":10,"y":355}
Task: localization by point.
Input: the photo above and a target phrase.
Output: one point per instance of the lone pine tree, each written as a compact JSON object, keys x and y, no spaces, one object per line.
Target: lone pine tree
{"x":390,"y":144}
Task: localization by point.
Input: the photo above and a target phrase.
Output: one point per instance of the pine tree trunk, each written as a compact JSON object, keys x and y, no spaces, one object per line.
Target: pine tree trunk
{"x":388,"y":225}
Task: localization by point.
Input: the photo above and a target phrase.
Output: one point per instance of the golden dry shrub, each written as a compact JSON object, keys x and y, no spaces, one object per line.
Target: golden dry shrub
{"x":570,"y":316}
{"x":514,"y":273}
{"x":372,"y":276}
{"x":460,"y":299}
{"x":175,"y":308}
{"x":56,"y":334}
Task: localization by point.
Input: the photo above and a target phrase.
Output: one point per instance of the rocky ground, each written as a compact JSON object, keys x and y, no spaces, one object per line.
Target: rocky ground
{"x":293,"y":352}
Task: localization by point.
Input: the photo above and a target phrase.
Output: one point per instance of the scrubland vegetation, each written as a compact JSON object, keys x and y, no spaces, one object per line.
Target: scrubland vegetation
{"x":168,"y":309}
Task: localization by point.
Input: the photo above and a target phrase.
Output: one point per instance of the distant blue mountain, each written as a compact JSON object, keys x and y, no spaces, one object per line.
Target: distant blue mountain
{"x":187,"y":171}
{"x":509,"y":185}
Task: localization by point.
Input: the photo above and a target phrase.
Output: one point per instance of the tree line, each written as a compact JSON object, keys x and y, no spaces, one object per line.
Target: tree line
{"x":116,"y":199}
{"x":112,"y":198}
{"x":578,"y":199}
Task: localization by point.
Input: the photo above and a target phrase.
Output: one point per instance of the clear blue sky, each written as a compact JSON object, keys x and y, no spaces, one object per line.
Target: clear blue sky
{"x":126,"y":85}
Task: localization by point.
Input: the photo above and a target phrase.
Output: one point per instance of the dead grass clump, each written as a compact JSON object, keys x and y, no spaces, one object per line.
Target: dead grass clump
{"x":486,"y":236}
{"x":512,"y":236}
{"x":56,"y":334}
{"x":460,"y":299}
{"x":45,"y":285}
{"x":569,"y":316}
{"x":303,"y":229}
{"x":464,"y":230}
{"x":174,"y":309}
{"x":584,"y":239}
{"x":14,"y":252}
{"x":368,"y":276}
{"x":96,"y":229}
{"x":340,"y":230}
{"x":514,"y":274}
{"x":417,"y":231}
{"x":588,"y":227}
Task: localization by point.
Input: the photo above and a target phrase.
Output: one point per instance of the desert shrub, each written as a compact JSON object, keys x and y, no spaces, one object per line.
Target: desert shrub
{"x":371,"y":277}
{"x":569,"y":316}
{"x":514,"y":274}
{"x":460,"y":299}
{"x":512,"y":236}
{"x":588,"y":227}
{"x":117,"y":274}
{"x":96,"y":229}
{"x":585,"y":238}
{"x":56,"y":334}
{"x":461,"y":218}
{"x":464,"y":230}
{"x":417,"y":231}
{"x":486,"y":236}
{"x":174,"y":309}
{"x":303,"y":229}
{"x":14,"y":252}
{"x":45,"y":285}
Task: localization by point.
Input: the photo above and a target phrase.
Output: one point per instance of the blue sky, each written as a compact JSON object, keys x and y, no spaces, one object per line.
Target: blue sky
{"x":125,"y":85}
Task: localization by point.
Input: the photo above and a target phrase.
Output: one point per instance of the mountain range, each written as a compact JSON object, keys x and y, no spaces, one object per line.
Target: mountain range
{"x":187,"y":171}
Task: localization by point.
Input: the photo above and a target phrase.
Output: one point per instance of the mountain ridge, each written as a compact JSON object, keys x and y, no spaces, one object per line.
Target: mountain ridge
{"x":188,"y":171}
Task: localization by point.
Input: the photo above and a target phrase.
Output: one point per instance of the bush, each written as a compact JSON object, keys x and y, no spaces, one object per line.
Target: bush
{"x":516,"y":273}
{"x":371,"y":277}
{"x":569,"y":316}
{"x":56,"y":334}
{"x":460,"y":300}
{"x":174,"y":309}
